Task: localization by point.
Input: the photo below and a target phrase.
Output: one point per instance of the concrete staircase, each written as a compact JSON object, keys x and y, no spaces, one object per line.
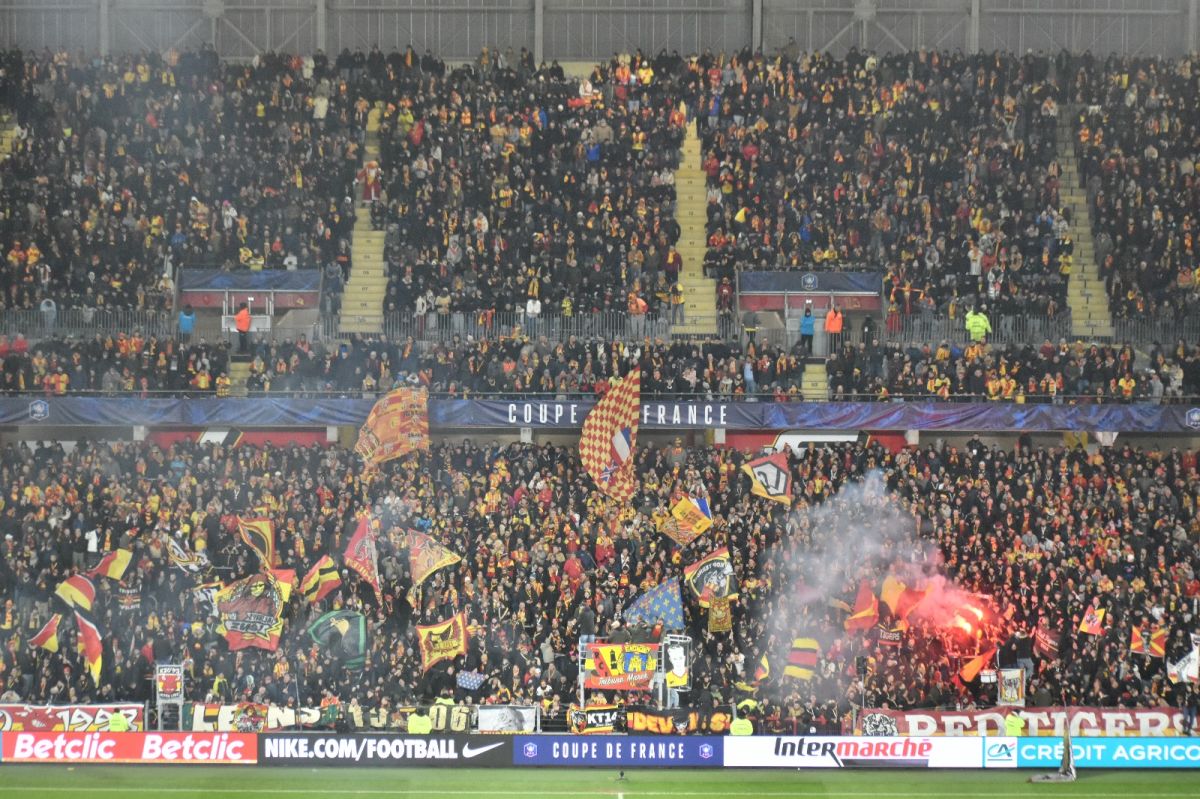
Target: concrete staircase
{"x":362,"y":300}
{"x":239,"y":371}
{"x":1091,"y":318}
{"x":8,"y":134}
{"x":699,"y":292}
{"x":815,"y":383}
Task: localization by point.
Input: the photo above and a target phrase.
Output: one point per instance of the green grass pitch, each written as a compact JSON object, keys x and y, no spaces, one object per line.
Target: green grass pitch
{"x":98,"y":782}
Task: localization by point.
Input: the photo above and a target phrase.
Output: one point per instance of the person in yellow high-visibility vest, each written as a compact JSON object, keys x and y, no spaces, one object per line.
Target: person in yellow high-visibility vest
{"x":741,"y":726}
{"x":419,"y":722}
{"x":1014,"y":724}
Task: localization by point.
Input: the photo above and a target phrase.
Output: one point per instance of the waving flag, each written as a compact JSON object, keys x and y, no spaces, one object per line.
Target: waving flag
{"x":770,"y":477}
{"x":259,"y":535}
{"x":970,"y":670}
{"x":113,"y":565}
{"x":396,"y":426}
{"x":1154,"y":644}
{"x":47,"y":637}
{"x":720,"y":615}
{"x":1093,"y":621}
{"x":183,"y":557}
{"x":693,"y":518}
{"x":866,"y":609}
{"x":445,"y":640}
{"x":802,"y":660}
{"x":90,"y":643}
{"x":251,"y":612}
{"x":425,"y":556}
{"x":470,"y":680}
{"x":321,"y":580}
{"x":344,"y":634}
{"x":77,"y":592}
{"x":610,"y":436}
{"x":712,"y":577}
{"x":360,"y":554}
{"x":661,"y":603}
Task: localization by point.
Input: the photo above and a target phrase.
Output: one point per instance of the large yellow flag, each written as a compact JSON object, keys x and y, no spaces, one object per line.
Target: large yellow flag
{"x":445,"y":640}
{"x":610,"y":436}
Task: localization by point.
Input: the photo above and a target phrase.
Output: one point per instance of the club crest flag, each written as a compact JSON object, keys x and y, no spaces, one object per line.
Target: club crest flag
{"x":251,"y":611}
{"x":770,"y":477}
{"x":661,"y":603}
{"x":425,"y":556}
{"x":712,"y":577}
{"x":693,"y":518}
{"x":720,"y":615}
{"x":361,"y":555}
{"x":1093,"y":621}
{"x":445,"y":640}
{"x":396,"y":426}
{"x":610,"y":436}
{"x":182,"y":556}
{"x":113,"y":565}
{"x":259,"y":535}
{"x":47,"y":637}
{"x":321,"y":580}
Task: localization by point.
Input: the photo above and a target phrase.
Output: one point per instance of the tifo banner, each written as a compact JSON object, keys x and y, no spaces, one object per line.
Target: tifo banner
{"x":567,"y":750}
{"x":567,"y":414}
{"x":619,"y":667}
{"x":504,"y":718}
{"x":713,"y":721}
{"x":1132,"y":752}
{"x":300,"y":749}
{"x":789,"y":751}
{"x":129,"y":747}
{"x":68,"y":718}
{"x":1086,"y":721}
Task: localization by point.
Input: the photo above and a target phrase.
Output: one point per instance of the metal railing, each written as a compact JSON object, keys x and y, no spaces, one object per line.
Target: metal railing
{"x":85,"y":322}
{"x":1008,"y":329}
{"x":1144,"y":333}
{"x":436,"y":328}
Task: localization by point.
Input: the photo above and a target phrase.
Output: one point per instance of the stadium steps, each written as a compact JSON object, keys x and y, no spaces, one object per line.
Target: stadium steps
{"x":699,"y":292}
{"x":239,"y":372}
{"x":1091,"y":318}
{"x":362,"y":299}
{"x":815,"y":383}
{"x":8,"y":134}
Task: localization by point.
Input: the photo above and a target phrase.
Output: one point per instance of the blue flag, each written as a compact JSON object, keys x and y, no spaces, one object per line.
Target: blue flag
{"x":662,"y":602}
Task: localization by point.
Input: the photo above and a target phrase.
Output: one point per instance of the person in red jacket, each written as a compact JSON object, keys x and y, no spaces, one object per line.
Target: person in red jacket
{"x":241,"y":321}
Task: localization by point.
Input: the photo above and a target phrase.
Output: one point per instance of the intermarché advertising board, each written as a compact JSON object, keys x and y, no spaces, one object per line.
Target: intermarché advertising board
{"x":299,"y":749}
{"x":813,"y":751}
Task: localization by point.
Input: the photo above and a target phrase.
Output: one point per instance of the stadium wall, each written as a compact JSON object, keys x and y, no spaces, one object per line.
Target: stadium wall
{"x":594,"y":29}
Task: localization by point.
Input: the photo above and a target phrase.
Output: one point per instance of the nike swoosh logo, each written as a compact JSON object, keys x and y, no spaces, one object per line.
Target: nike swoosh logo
{"x":469,"y":751}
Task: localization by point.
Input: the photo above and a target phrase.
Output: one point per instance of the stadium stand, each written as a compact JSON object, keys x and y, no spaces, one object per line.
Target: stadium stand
{"x":545,"y":561}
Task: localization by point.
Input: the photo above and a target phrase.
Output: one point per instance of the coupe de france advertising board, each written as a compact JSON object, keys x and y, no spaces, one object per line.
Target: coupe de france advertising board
{"x":618,"y":750}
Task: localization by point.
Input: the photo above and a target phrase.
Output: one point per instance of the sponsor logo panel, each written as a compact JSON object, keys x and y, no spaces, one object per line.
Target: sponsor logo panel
{"x":790,"y":751}
{"x":566,"y":750}
{"x":1082,"y":721}
{"x":384,"y":750}
{"x":1127,"y":752}
{"x":129,"y":747}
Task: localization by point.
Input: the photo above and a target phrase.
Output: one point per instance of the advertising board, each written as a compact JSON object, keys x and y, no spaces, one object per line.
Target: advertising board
{"x":1083,"y":721}
{"x":68,"y":718}
{"x":813,"y":751}
{"x":1127,"y":752}
{"x":567,"y":750}
{"x":129,"y":747}
{"x":300,"y":749}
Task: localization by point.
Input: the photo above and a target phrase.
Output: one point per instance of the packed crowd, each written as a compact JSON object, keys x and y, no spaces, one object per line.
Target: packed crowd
{"x":1049,"y":373}
{"x":127,"y":167}
{"x":513,"y":188}
{"x":114,"y":364}
{"x":940,"y":168}
{"x":546,"y":559}
{"x":1137,"y":146}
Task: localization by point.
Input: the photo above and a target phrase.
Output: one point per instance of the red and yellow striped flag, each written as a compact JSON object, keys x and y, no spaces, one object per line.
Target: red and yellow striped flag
{"x":610,"y":436}
{"x":47,"y":637}
{"x":113,"y":565}
{"x":90,"y":643}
